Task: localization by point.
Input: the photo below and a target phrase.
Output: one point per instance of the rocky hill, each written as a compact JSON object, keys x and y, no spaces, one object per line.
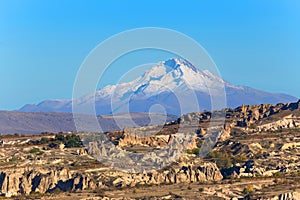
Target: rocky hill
{"x":256,"y":156}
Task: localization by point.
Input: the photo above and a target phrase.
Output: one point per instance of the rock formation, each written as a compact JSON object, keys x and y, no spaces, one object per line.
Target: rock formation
{"x":31,"y":180}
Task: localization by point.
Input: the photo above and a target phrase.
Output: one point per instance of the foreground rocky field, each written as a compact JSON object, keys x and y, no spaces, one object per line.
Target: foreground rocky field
{"x":257,"y":156}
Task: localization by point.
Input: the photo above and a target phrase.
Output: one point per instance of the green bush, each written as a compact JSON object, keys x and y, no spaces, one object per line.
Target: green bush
{"x":278,"y":174}
{"x":44,"y":140}
{"x":72,"y":141}
{"x":253,"y":126}
{"x":36,"y":151}
{"x":69,"y":140}
{"x":60,"y":137}
{"x":222,"y":159}
{"x":195,"y":151}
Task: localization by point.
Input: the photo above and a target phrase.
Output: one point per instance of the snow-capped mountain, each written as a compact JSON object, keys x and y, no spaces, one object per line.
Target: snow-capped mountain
{"x":174,"y":86}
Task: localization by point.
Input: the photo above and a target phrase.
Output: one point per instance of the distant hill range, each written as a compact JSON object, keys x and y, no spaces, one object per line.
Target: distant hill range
{"x":170,"y":84}
{"x":37,"y":122}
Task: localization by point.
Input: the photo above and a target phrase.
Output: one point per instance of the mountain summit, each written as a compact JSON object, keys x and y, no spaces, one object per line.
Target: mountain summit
{"x":171,"y":87}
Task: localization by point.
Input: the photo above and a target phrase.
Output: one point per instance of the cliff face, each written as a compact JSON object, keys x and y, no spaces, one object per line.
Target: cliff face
{"x":283,"y":196}
{"x":289,"y":121}
{"x":128,"y":139}
{"x":287,"y":196}
{"x":31,"y":180}
{"x":247,"y":115}
{"x":183,"y":172}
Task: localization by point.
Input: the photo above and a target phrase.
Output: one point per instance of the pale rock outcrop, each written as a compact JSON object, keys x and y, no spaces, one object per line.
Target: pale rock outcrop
{"x":289,"y":121}
{"x":193,"y":171}
{"x":285,"y":196}
{"x":27,"y":180}
{"x":290,"y":145}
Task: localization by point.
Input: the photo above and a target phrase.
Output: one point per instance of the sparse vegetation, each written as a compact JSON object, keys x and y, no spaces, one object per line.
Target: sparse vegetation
{"x":222,"y":159}
{"x":225,"y":159}
{"x":248,"y":190}
{"x":253,"y":126}
{"x":69,"y":140}
{"x":36,"y":151}
{"x":195,"y":151}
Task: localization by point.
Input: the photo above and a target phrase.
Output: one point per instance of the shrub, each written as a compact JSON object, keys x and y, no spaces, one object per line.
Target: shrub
{"x":53,"y":145}
{"x":240,"y":158}
{"x":223,"y":160}
{"x":253,"y":126}
{"x":195,"y":151}
{"x":278,"y":174}
{"x":70,"y":141}
{"x":44,"y":140}
{"x":60,"y":137}
{"x":248,"y":190}
{"x":36,"y":151}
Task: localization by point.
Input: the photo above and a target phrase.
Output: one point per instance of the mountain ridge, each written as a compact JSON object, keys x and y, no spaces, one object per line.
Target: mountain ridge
{"x":171,"y":84}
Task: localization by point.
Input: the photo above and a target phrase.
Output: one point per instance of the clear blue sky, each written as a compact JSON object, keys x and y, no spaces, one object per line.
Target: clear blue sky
{"x":42,"y":43}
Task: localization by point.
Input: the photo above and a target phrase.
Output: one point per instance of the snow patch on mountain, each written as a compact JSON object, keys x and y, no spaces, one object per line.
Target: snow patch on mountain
{"x":165,"y":84}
